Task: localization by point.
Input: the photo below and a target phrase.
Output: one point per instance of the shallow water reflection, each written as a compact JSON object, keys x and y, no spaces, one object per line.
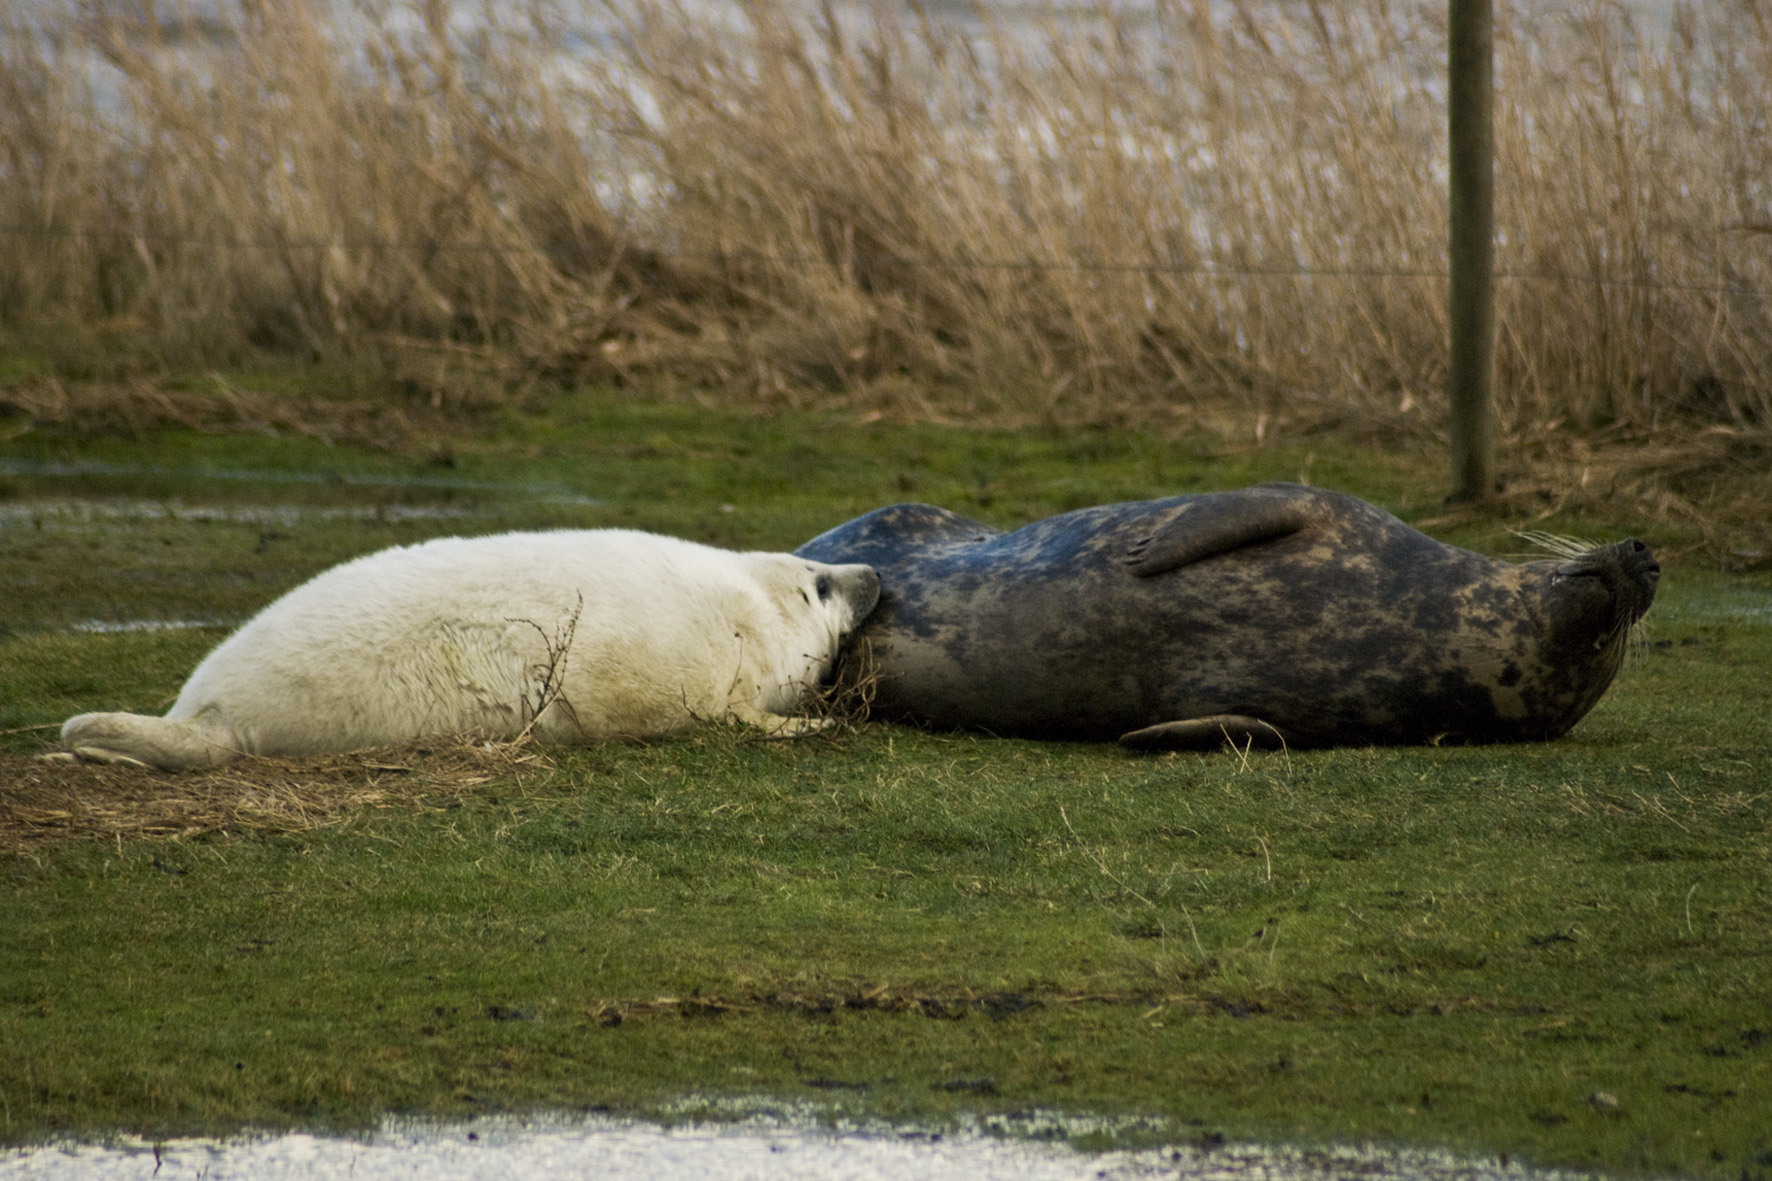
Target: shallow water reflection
{"x":84,"y":512}
{"x":549,"y":493}
{"x":774,"y":1149}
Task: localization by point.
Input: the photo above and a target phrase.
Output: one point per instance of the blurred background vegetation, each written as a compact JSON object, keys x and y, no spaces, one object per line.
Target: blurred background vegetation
{"x":1224,"y":219}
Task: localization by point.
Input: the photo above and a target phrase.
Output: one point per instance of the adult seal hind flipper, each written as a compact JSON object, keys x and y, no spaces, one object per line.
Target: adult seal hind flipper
{"x":1269,"y":615}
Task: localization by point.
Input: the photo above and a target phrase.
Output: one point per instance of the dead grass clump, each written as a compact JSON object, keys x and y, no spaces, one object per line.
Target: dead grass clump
{"x":1712,"y":484}
{"x":45,"y":802}
{"x":847,"y":700}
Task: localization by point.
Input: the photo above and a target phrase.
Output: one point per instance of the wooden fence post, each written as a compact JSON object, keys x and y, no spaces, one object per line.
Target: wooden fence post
{"x":1471,"y":146}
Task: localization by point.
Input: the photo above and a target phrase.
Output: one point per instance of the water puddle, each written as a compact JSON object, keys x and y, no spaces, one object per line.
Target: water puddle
{"x":79,"y":511}
{"x":109,"y":626}
{"x":761,"y":1148}
{"x":1745,"y":607}
{"x":550,"y":493}
{"x":1721,"y":604}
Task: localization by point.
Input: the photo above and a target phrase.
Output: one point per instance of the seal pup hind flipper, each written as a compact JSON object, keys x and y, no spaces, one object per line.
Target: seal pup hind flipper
{"x":135,"y":740}
{"x":1209,"y":733}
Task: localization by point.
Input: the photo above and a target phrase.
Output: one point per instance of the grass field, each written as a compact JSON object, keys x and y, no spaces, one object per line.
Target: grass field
{"x":1559,"y":952}
{"x":1219,"y":225}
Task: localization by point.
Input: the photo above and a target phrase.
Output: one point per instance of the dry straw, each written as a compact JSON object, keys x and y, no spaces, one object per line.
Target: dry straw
{"x":1156,"y":214}
{"x":49,"y":802}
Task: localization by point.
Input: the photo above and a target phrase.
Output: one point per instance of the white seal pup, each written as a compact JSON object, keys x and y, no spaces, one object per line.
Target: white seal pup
{"x":579,"y":635}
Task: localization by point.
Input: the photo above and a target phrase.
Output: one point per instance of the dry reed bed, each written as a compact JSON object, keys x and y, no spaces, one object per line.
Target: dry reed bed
{"x":1176,"y":215}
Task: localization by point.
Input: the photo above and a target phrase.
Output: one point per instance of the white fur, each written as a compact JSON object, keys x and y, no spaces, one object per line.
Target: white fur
{"x":454,"y":635}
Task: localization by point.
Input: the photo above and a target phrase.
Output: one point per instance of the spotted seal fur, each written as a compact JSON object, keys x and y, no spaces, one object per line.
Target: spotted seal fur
{"x":1273,"y":614}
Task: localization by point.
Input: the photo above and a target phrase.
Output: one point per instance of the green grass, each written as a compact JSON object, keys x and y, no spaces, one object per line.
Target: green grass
{"x":1454,"y":947}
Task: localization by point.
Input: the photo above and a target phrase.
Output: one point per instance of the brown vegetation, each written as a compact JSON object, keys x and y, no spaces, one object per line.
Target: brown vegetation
{"x":48,"y":802}
{"x":1173,"y":216}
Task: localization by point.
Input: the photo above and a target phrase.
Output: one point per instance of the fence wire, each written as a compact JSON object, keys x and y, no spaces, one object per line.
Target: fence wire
{"x":1082,"y":265}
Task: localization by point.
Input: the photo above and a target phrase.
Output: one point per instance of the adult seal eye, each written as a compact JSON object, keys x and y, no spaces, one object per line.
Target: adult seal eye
{"x":823,"y":586}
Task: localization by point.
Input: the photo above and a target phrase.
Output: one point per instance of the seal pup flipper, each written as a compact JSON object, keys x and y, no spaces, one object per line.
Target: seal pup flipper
{"x":1218,"y":522}
{"x":137,"y":740}
{"x":1209,"y":733}
{"x":779,"y":725}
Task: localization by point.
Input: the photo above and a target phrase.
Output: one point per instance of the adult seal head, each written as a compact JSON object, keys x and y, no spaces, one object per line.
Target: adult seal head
{"x":1274,"y":614}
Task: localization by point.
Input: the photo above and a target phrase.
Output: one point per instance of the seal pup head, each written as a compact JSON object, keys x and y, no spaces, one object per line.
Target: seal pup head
{"x":820,"y":606}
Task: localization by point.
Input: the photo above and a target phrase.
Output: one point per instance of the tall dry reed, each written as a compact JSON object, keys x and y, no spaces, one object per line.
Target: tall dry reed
{"x":1108,"y":214}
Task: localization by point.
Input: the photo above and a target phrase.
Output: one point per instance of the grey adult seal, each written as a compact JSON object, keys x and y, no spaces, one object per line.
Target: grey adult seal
{"x":1274,"y":614}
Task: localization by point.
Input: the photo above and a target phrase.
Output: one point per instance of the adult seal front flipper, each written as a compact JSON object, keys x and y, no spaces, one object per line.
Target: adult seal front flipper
{"x":1209,"y":733}
{"x":1219,"y":522}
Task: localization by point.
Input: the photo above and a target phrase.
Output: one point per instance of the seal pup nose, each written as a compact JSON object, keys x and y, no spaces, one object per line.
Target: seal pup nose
{"x":864,"y":591}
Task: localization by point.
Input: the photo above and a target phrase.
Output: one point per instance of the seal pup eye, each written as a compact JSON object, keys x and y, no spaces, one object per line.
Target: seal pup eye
{"x":823,"y":586}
